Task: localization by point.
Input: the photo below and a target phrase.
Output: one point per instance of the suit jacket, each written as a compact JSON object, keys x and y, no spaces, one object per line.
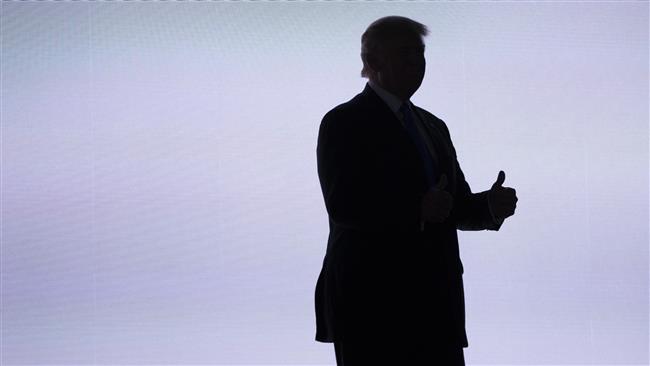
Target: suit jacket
{"x":382,"y":276}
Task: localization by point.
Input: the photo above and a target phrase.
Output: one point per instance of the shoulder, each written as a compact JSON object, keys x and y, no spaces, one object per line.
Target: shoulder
{"x":429,"y":117}
{"x":346,"y":116}
{"x":347,"y":110}
{"x":432,"y":119}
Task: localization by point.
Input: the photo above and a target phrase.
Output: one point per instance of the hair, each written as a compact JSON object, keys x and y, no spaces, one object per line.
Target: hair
{"x":381,"y":30}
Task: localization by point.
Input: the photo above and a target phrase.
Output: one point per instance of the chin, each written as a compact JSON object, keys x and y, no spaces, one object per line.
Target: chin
{"x":414,"y":89}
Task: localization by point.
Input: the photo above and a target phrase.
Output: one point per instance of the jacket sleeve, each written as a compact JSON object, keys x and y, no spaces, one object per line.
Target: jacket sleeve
{"x":354,"y":189}
{"x":471,"y":211}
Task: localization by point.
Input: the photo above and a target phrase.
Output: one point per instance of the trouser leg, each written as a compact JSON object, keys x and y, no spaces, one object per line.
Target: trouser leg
{"x":396,"y":354}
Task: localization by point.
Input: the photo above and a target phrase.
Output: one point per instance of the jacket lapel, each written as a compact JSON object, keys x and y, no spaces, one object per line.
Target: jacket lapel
{"x":443,"y":149}
{"x":381,"y":113}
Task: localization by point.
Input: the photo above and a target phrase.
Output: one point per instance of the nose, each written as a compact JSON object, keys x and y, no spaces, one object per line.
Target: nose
{"x":419,"y":64}
{"x":416,"y":57}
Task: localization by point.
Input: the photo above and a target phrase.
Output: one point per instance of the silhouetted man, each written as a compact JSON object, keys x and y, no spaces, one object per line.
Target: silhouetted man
{"x":391,"y":291}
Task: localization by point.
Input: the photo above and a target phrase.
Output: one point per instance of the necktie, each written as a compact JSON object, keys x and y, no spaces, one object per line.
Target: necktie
{"x":413,"y":132}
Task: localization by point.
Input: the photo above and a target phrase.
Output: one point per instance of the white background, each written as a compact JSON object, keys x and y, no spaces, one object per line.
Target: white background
{"x":160,"y":202}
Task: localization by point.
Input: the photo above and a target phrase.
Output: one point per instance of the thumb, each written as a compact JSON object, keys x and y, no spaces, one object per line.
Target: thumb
{"x":500,"y":179}
{"x":442,"y":183}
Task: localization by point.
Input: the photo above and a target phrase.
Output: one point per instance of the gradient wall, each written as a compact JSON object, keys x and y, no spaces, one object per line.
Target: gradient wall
{"x":160,"y":202}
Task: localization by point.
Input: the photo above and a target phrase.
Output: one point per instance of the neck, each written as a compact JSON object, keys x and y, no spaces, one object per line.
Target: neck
{"x":387,"y":88}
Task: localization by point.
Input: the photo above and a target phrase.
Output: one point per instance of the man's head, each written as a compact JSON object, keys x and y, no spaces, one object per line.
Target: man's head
{"x":392,"y":52}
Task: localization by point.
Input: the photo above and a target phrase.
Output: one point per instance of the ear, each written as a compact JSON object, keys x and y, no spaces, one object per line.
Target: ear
{"x":374,"y":62}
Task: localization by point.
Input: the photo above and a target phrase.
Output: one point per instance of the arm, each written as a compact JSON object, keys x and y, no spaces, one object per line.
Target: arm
{"x":356,"y":190}
{"x":471,"y":211}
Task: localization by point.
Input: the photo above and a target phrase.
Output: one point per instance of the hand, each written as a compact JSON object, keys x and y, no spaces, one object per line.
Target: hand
{"x":437,"y":203}
{"x":502,"y":200}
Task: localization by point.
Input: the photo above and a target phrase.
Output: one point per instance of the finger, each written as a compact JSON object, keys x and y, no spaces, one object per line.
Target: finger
{"x":505,"y":206}
{"x":504,"y":193}
{"x":442,"y":183}
{"x":440,"y":217}
{"x":445,"y":199}
{"x":450,"y":201}
{"x":500,"y":179}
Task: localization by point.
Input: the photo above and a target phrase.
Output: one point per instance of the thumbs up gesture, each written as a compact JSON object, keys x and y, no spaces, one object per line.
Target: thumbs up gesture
{"x":502,"y":200}
{"x":437,"y":203}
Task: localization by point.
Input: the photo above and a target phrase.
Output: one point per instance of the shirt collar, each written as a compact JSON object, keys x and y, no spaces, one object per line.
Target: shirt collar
{"x":393,"y":102}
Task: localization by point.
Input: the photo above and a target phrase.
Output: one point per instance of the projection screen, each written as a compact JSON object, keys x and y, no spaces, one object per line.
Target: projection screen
{"x":161,"y":205}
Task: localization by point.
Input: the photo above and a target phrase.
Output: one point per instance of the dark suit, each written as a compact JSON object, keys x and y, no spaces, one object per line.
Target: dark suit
{"x":382,"y":277}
